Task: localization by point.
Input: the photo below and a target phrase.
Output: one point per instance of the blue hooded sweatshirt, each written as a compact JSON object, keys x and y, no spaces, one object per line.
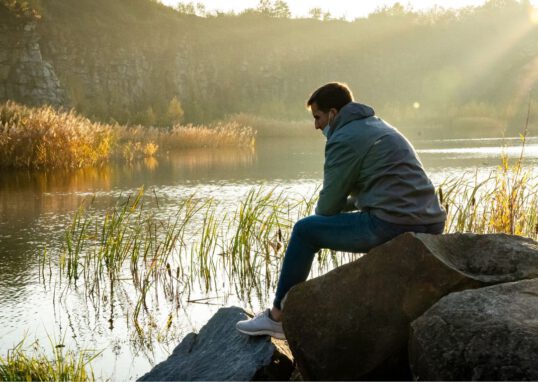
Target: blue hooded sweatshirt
{"x":373,"y":164}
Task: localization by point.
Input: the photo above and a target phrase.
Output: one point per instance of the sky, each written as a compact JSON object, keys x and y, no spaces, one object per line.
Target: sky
{"x":350,"y":9}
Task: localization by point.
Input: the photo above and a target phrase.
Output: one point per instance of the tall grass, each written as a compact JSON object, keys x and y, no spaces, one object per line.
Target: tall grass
{"x":223,"y":134}
{"x":273,"y":128}
{"x":155,"y":255}
{"x":504,"y":202}
{"x":34,"y":364}
{"x":45,"y":138}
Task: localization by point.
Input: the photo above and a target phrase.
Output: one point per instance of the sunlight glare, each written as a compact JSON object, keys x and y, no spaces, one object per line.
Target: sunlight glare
{"x":416,"y":105}
{"x":533,"y":15}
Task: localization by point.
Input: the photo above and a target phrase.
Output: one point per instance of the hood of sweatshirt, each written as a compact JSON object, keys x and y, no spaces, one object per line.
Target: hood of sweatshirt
{"x":351,"y":112}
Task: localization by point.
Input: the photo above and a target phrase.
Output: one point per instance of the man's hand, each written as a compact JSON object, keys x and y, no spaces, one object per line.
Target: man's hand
{"x":350,"y":204}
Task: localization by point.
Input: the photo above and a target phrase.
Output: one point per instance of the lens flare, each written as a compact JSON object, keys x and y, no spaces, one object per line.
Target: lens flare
{"x":416,"y":105}
{"x":533,"y":15}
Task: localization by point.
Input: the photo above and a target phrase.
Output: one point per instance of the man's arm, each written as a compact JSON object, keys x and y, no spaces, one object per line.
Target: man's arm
{"x":350,"y":204}
{"x":341,"y":161}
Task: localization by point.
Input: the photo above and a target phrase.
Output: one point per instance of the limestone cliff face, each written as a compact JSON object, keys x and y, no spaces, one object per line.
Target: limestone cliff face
{"x":94,"y":73}
{"x":118,"y":58}
{"x":117,"y":71}
{"x":25,"y":75}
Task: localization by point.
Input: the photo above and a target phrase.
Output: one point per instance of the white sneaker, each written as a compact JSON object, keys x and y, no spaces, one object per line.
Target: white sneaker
{"x":260,"y":325}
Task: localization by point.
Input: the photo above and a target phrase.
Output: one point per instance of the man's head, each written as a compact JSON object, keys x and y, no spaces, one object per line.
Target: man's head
{"x":326,"y":102}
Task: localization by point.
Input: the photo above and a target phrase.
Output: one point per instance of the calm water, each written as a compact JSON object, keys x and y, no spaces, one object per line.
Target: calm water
{"x":36,"y":207}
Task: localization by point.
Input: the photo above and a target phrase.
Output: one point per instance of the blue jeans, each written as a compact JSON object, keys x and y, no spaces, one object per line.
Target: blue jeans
{"x":357,"y":231}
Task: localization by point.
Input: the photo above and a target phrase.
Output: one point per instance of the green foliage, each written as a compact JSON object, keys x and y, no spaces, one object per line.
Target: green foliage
{"x":275,"y":8}
{"x":191,"y":8}
{"x":316,"y":13}
{"x":26,"y":10}
{"x":174,"y":114}
{"x":262,"y":62}
{"x":146,"y":117}
{"x":33,"y":364}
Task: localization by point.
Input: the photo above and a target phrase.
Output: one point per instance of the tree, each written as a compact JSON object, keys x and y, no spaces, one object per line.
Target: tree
{"x":315,"y":13}
{"x":175,"y":112}
{"x":281,"y":9}
{"x":190,"y":8}
{"x":277,"y":8}
{"x":146,"y":117}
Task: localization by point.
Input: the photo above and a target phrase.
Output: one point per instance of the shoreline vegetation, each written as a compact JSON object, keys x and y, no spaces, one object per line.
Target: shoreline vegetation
{"x":131,"y":251}
{"x":42,"y":138}
{"x":34,"y":363}
{"x":46,"y":138}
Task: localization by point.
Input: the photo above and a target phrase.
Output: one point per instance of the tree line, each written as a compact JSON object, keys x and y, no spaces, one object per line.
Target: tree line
{"x":475,"y":65}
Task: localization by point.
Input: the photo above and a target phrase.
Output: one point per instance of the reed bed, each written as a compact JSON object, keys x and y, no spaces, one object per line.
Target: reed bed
{"x":33,"y":364}
{"x":155,"y":254}
{"x":224,"y":134}
{"x":41,"y":138}
{"x":273,"y":128}
{"x":504,"y":202}
{"x":45,"y":138}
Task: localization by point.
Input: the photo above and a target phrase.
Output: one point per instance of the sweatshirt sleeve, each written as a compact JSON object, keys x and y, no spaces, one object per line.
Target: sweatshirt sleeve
{"x":338,"y":177}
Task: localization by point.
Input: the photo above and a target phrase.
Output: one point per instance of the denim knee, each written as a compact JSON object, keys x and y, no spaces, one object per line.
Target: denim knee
{"x":300,"y":227}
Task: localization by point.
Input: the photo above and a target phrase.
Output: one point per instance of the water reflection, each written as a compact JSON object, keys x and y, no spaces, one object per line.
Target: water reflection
{"x":36,"y":206}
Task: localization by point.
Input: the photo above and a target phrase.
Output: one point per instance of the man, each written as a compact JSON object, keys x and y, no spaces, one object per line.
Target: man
{"x":369,"y":167}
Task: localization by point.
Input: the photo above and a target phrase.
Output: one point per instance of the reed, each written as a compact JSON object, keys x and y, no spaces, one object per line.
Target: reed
{"x":506,"y":201}
{"x":273,"y":128}
{"x":34,"y":364}
{"x":41,"y":138}
{"x":161,"y":254}
{"x":46,"y":138}
{"x":222,"y":134}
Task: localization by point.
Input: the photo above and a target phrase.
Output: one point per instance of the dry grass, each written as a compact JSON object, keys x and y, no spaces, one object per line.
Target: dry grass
{"x":41,"y":138}
{"x":230,"y":134}
{"x":504,"y":202}
{"x":271,"y":128}
{"x":45,"y":138}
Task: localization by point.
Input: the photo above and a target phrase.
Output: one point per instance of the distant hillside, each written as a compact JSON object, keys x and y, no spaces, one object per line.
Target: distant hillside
{"x":126,"y":59}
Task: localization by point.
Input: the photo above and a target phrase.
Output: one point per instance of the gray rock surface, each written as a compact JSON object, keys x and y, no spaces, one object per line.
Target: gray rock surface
{"x":483,"y":334}
{"x":220,"y":353}
{"x":25,"y":75}
{"x":353,"y":322}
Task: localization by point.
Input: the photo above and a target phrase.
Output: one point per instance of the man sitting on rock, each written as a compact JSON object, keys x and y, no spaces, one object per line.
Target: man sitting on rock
{"x":374,"y":189}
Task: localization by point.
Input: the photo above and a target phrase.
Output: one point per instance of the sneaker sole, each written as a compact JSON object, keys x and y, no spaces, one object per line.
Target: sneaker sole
{"x":279,"y":336}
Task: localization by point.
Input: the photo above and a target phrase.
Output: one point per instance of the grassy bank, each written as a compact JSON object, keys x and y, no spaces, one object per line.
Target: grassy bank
{"x":45,"y":138}
{"x":33,"y":363}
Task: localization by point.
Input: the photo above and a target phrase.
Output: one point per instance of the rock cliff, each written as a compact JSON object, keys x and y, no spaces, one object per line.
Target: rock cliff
{"x":25,"y":75}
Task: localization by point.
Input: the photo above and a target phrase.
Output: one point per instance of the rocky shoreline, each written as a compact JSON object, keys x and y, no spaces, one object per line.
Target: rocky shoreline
{"x":422,"y":307}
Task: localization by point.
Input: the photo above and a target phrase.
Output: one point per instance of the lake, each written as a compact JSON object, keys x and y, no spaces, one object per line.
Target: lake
{"x":37,"y":207}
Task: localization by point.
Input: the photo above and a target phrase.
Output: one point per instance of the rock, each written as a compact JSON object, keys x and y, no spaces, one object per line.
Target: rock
{"x":353,"y":322}
{"x":483,"y":334}
{"x":220,"y":353}
{"x":25,"y":76}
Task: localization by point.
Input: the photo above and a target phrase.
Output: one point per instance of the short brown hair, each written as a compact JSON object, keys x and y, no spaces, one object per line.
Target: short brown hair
{"x":332,"y":95}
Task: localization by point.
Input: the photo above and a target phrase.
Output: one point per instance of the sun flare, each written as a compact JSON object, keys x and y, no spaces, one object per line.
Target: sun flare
{"x":533,"y":14}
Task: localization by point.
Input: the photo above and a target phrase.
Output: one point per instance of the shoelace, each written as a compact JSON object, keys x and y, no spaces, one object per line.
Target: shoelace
{"x":261,"y":314}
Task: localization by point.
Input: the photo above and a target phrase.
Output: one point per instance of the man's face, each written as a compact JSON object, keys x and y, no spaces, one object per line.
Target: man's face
{"x":321,"y":118}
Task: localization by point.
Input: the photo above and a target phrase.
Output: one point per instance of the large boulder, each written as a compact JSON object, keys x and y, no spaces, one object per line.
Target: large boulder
{"x":220,"y":353}
{"x":353,"y":322}
{"x":483,"y":334}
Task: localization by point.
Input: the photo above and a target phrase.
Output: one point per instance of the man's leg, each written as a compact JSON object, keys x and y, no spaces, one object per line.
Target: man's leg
{"x":347,"y":232}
